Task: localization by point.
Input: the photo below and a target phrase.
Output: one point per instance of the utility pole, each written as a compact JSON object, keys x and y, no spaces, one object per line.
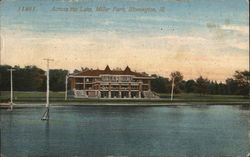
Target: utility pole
{"x":66,"y":86}
{"x":1,"y":45}
{"x":46,"y":114}
{"x":249,"y":74}
{"x":11,"y":88}
{"x":0,"y":55}
{"x":172,"y":90}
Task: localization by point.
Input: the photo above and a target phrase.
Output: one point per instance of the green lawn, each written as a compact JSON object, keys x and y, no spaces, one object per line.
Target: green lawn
{"x":34,"y":96}
{"x":189,"y":96}
{"x":17,"y":94}
{"x":182,"y":98}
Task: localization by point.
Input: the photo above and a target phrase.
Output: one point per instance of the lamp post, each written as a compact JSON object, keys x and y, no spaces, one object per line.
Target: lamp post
{"x":172,"y":90}
{"x":11,"y":88}
{"x":46,"y":114}
{"x":66,"y":86}
{"x":1,"y":46}
{"x":249,"y":74}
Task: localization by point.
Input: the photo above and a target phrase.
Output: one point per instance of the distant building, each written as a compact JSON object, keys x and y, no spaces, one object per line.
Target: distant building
{"x":111,"y":84}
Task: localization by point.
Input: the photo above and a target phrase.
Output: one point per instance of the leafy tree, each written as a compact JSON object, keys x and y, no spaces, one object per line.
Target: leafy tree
{"x":222,"y":89}
{"x":160,"y":84}
{"x":202,"y":85}
{"x":216,"y":88}
{"x":182,"y":85}
{"x":190,"y":86}
{"x":242,"y":79}
{"x":232,"y":86}
{"x":211,"y":87}
{"x":32,"y":78}
{"x":29,"y":78}
{"x":178,"y":78}
{"x":4,"y":78}
{"x":57,"y":79}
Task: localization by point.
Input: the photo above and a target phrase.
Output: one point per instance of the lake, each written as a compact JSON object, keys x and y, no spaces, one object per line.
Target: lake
{"x":126,"y":131}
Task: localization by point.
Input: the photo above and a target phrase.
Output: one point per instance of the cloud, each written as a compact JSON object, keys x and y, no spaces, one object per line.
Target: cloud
{"x":192,"y":55}
{"x":222,"y":31}
{"x":227,"y":35}
{"x":240,"y":29}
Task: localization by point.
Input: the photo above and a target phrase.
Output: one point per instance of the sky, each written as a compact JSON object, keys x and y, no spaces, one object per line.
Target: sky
{"x":196,"y":37}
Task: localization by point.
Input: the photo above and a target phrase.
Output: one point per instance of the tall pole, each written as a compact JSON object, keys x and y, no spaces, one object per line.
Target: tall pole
{"x":172,"y":90}
{"x":249,"y":74}
{"x":46,"y":114}
{"x":47,"y":94}
{"x":66,"y":86}
{"x":1,"y":50}
{"x":11,"y":88}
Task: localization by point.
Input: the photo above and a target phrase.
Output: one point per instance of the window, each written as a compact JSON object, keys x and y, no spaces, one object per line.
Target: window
{"x":79,"y":87}
{"x":79,"y":80}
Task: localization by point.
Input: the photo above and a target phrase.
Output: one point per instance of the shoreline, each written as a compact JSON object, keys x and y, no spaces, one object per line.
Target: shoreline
{"x":58,"y":98}
{"x":123,"y":104}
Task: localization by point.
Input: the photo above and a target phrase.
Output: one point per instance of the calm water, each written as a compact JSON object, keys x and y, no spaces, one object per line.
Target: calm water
{"x":131,"y":131}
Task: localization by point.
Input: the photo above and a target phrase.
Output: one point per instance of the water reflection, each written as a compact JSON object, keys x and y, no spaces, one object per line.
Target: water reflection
{"x":132,"y":131}
{"x":47,"y":137}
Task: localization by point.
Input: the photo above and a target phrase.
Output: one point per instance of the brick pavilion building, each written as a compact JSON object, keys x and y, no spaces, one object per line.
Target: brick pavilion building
{"x":109,"y":83}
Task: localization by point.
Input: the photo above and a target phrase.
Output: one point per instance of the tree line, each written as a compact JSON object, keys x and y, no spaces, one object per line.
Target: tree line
{"x":32,"y":78}
{"x":238,"y":84}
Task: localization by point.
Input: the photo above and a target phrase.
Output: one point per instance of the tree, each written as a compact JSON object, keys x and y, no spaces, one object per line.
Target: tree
{"x":242,"y":79}
{"x":4,"y":78}
{"x":29,"y":78}
{"x":182,"y":85}
{"x":160,"y":84}
{"x":232,"y":86}
{"x":211,"y":87}
{"x":202,"y":85}
{"x":190,"y":86}
{"x":57,"y":79}
{"x":222,"y":88}
{"x":178,"y":78}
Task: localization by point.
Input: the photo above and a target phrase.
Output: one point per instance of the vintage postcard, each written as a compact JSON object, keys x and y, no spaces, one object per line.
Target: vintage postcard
{"x":124,"y":78}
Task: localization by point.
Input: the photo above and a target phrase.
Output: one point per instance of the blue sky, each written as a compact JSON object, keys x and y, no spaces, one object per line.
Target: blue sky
{"x":177,"y":15}
{"x":193,"y":36}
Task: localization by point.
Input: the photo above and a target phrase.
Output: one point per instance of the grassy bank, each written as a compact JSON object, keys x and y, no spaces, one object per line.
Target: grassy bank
{"x":183,"y":98}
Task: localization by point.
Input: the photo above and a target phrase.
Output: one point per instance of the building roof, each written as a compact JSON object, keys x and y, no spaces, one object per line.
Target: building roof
{"x":108,"y":71}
